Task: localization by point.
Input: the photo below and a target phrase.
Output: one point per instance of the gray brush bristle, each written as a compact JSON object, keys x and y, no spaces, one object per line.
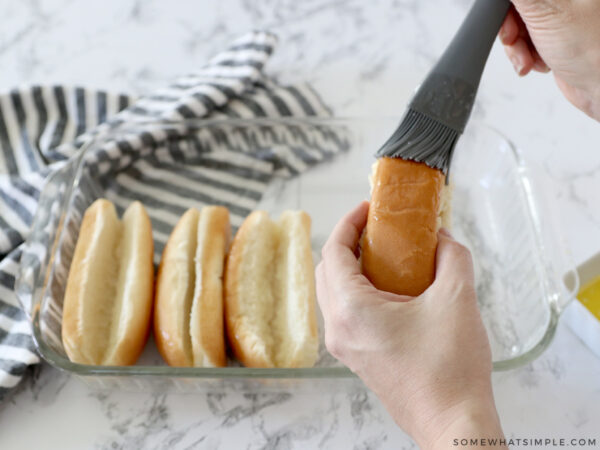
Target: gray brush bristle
{"x":422,"y":139}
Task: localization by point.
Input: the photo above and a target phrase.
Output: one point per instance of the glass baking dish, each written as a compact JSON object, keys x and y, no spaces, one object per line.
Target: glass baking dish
{"x":497,"y":213}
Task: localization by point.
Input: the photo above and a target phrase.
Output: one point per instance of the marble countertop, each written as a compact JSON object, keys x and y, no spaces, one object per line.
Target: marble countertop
{"x":365,"y":58}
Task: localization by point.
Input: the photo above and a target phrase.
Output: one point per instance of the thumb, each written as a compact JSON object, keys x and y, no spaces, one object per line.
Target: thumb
{"x":341,"y":263}
{"x":453,"y":260}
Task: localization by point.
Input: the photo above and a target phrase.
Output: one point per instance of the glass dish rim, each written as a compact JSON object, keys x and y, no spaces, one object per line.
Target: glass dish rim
{"x":341,"y":372}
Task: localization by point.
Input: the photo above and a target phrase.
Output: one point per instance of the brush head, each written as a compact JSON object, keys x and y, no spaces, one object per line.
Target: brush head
{"x":422,"y":139}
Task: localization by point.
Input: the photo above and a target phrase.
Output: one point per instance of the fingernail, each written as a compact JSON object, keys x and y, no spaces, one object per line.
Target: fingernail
{"x":502,"y":34}
{"x":541,"y":66}
{"x":445,"y":232}
{"x":517,"y":64}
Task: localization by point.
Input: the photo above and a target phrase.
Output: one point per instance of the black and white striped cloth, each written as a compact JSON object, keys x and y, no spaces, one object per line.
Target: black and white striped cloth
{"x":42,"y":130}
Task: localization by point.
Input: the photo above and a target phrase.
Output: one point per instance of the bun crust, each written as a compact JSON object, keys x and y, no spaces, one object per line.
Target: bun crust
{"x":270,"y":292}
{"x":188,"y":315}
{"x":407,"y":208}
{"x":108,"y":299}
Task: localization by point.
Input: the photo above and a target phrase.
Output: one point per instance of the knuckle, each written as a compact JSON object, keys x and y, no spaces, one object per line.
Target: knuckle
{"x":328,"y":249}
{"x":343,"y":317}
{"x":460,"y":288}
{"x":333,"y":344}
{"x":459,"y":251}
{"x":455,"y":246}
{"x":340,"y":318}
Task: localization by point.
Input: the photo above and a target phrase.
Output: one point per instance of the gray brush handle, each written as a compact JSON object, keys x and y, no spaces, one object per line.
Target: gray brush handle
{"x":448,"y":93}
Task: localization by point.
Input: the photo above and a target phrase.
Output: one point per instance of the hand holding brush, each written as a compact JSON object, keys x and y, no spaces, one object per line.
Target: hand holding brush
{"x":562,"y":36}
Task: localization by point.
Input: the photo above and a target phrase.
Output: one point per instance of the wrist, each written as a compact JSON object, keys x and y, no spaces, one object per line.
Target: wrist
{"x":437,"y":413}
{"x":472,"y":420}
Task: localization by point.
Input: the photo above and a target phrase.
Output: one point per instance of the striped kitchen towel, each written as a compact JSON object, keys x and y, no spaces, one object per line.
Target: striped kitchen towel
{"x":45,"y":130}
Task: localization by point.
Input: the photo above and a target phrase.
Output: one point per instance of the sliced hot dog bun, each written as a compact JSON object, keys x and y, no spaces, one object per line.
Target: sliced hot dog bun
{"x":188,"y":317}
{"x":409,"y":203}
{"x":108,"y":299}
{"x":296,"y":336}
{"x":249,"y":291}
{"x":270,"y":292}
{"x":175,"y":283}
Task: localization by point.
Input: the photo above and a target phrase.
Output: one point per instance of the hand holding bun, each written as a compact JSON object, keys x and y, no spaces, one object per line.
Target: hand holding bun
{"x":108,"y":299}
{"x":428,"y":359}
{"x":408,"y":206}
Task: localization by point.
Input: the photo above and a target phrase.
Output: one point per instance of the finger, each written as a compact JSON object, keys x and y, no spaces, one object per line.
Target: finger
{"x":518,"y":44}
{"x":339,"y":250}
{"x":539,"y":65}
{"x":453,"y":260}
{"x":348,"y":230}
{"x":520,"y":56}
{"x":325,"y":296}
{"x":509,"y":32}
{"x":342,"y":267}
{"x":391,"y":297}
{"x":521,"y":25}
{"x":446,"y":232}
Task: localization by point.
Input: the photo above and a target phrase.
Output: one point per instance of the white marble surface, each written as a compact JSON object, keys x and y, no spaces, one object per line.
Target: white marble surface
{"x":365,"y":58}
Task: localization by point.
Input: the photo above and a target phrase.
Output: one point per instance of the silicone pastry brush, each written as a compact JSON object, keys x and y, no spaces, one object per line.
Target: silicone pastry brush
{"x":441,"y":106}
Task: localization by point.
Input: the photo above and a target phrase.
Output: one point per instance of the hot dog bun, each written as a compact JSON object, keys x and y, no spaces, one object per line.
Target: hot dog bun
{"x":408,"y":205}
{"x":108,"y":299}
{"x":270,"y":292}
{"x":188,"y":315}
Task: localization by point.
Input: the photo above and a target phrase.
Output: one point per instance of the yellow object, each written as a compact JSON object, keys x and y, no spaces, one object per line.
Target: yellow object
{"x":589,"y":296}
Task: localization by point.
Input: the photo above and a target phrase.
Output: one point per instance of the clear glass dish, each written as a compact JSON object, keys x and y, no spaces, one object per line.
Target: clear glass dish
{"x":497,"y":213}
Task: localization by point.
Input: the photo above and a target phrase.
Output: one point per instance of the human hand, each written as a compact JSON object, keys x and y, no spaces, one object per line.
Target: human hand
{"x":427,"y":358}
{"x":562,"y":35}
